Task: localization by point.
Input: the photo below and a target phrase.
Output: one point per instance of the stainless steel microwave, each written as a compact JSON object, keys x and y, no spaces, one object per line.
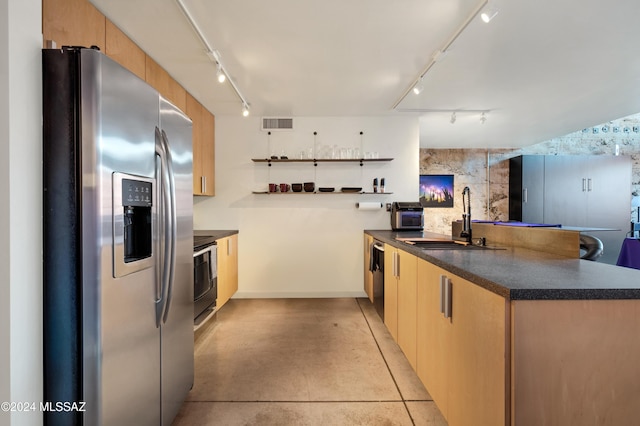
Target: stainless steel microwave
{"x":407,"y":216}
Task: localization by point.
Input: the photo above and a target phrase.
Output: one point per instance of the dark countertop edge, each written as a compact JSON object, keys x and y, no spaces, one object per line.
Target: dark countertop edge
{"x":215,"y":233}
{"x":501,"y":289}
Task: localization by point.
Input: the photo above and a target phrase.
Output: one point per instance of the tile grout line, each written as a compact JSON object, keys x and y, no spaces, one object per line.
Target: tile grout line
{"x":404,"y":402}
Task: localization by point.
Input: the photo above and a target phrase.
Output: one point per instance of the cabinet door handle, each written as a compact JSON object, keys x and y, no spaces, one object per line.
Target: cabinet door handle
{"x":443,"y":280}
{"x":203,"y":184}
{"x":525,"y":195}
{"x":589,"y":185}
{"x":584,"y":185}
{"x":448,"y":306}
{"x":229,"y":248}
{"x":398,"y":264}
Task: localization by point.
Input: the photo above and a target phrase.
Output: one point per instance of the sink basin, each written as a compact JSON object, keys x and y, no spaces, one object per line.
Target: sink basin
{"x":445,"y":245}
{"x":442,"y":244}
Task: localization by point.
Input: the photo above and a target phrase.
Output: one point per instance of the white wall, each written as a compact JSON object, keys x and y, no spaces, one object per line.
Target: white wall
{"x":305,"y":245}
{"x":21,"y":211}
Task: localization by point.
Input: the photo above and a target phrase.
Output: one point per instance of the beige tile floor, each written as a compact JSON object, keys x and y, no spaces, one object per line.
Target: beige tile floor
{"x":303,"y":362}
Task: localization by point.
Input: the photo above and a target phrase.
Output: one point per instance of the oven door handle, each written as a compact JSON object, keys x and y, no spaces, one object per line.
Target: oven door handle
{"x":203,"y":251}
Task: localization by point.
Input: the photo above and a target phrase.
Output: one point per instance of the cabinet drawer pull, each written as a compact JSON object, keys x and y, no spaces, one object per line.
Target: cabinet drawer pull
{"x":447,"y":298}
{"x":443,"y":280}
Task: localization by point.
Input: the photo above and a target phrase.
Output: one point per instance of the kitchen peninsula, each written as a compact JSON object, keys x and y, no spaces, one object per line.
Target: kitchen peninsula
{"x":513,"y":335}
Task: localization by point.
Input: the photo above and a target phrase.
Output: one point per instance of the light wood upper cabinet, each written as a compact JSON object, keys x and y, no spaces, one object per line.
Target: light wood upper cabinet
{"x":227,"y":269}
{"x":72,"y":23}
{"x":124,"y":51}
{"x":160,"y":80}
{"x":203,"y":147}
{"x":79,"y":23}
{"x":207,"y":153}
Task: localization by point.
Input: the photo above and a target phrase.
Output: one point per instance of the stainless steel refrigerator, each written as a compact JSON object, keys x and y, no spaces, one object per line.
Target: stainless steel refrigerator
{"x":118,"y":232}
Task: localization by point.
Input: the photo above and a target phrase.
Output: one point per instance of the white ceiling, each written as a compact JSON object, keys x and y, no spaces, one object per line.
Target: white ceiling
{"x":541,"y":68}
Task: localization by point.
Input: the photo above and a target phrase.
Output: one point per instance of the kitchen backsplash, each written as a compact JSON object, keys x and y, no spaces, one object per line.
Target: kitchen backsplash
{"x":487,"y":173}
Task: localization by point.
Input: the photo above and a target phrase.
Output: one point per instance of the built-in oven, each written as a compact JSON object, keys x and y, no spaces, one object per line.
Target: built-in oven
{"x":205,"y":278}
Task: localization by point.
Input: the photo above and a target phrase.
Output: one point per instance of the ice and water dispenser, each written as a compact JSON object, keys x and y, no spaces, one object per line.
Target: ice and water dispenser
{"x":133,"y":200}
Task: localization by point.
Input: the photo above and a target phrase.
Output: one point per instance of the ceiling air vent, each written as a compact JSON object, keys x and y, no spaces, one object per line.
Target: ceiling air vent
{"x":272,"y":123}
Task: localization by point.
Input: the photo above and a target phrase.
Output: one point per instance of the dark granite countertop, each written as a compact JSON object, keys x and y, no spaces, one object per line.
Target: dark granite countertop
{"x":216,"y":234}
{"x":521,"y":274}
{"x":202,"y":238}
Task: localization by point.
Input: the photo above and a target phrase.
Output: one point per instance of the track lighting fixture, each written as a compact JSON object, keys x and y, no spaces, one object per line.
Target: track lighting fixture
{"x":488,"y":15}
{"x":453,"y":117}
{"x":483,"y":118}
{"x":417,"y":88}
{"x":438,"y":54}
{"x":221,"y":76}
{"x":221,"y":72}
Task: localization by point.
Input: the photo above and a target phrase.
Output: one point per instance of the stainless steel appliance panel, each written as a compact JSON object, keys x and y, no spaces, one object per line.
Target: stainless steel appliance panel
{"x":121,"y":340}
{"x":118,"y":283}
{"x":177,"y":322}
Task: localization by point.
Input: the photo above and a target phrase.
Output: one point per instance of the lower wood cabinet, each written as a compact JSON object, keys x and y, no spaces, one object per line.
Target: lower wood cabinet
{"x":400,"y":271}
{"x":227,"y":269}
{"x":490,"y":361}
{"x":575,"y":362}
{"x":462,"y":347}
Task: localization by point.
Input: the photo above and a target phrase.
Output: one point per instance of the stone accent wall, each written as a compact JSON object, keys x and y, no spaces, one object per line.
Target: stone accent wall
{"x":486,"y":172}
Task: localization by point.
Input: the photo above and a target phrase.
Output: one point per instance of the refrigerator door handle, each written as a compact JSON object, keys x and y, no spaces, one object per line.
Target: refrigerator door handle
{"x":164,"y":231}
{"x":173,"y":224}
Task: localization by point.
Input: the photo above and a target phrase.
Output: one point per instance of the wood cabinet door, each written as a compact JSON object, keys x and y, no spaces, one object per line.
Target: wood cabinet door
{"x":207,"y":152}
{"x":368,"y":275}
{"x":390,"y":291}
{"x":123,"y":50}
{"x":73,"y":23}
{"x":407,"y":305}
{"x":194,"y":111}
{"x":432,"y":336}
{"x":203,"y":147}
{"x":232,"y":253}
{"x":227,"y":269}
{"x":478,"y":362}
{"x":223,"y":273}
{"x":160,"y":80}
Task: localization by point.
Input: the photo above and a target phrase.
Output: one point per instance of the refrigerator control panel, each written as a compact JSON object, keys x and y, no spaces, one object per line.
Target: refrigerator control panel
{"x":133,"y":223}
{"x":136,"y":193}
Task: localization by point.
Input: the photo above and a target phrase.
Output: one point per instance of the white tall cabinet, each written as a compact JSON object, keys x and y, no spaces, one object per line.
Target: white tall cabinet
{"x":591,"y":191}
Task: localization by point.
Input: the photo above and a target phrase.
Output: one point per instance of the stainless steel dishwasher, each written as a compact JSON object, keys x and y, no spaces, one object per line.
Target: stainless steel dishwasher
{"x":377,"y":267}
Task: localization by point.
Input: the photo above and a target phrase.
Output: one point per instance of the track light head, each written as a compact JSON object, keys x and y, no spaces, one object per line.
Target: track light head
{"x":245,"y":110}
{"x":417,"y":88}
{"x":483,"y":118}
{"x":488,"y":15}
{"x":453,"y":117}
{"x":220,"y":73}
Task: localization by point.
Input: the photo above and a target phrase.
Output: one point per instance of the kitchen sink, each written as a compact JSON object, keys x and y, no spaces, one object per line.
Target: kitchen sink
{"x":435,"y":244}
{"x":445,"y":245}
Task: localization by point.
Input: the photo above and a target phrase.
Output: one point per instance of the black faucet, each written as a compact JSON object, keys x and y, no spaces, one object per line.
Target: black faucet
{"x":466,"y":215}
